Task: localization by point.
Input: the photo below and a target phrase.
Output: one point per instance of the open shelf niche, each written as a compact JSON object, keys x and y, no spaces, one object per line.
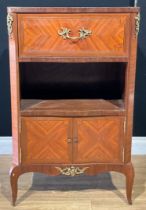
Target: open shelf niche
{"x":72,"y":89}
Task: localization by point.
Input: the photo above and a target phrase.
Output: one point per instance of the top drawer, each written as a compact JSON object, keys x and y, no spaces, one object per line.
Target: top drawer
{"x":73,"y":35}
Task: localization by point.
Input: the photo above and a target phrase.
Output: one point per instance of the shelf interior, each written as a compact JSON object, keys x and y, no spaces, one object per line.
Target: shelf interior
{"x":72,"y":80}
{"x":71,"y":108}
{"x":72,"y":89}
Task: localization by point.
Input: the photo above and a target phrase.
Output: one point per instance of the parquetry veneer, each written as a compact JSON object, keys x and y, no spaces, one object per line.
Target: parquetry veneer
{"x":78,"y":121}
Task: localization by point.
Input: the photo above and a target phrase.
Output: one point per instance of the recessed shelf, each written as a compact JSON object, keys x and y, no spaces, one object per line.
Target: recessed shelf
{"x":72,"y":108}
{"x":72,"y":80}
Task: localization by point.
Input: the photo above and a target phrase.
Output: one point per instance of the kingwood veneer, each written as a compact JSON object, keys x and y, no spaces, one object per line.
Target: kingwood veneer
{"x":72,"y":137}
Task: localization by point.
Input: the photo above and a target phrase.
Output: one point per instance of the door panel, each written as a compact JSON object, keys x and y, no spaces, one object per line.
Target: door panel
{"x":98,"y":140}
{"x":46,"y":140}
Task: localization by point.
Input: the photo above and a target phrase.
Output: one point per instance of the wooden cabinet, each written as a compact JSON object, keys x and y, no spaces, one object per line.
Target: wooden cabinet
{"x":72,"y":76}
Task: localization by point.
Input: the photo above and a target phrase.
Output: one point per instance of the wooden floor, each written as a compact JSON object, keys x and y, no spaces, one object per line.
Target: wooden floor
{"x":102,"y":192}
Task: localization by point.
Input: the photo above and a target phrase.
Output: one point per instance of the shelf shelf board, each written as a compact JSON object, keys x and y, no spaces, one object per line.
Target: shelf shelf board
{"x":72,"y":108}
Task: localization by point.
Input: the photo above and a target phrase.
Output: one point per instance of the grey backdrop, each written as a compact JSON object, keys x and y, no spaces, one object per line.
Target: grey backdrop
{"x":140,"y":96}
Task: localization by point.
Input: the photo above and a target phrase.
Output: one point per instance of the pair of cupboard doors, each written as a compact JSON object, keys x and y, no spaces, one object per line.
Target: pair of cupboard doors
{"x":72,"y":140}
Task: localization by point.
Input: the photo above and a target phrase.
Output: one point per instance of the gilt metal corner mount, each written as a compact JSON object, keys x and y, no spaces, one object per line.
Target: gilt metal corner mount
{"x":10,"y":23}
{"x":137,"y":23}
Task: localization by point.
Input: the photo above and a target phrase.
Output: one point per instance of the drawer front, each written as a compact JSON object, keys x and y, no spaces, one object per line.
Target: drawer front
{"x":45,"y":140}
{"x":99,"y":140}
{"x":81,"y":35}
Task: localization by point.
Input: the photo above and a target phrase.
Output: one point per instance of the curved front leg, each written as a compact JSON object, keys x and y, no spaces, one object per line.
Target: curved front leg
{"x":126,"y":169}
{"x":16,"y":171}
{"x":129,"y":173}
{"x":14,"y":175}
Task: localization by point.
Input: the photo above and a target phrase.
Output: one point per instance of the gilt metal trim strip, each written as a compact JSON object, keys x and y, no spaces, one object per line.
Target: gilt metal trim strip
{"x":135,"y":3}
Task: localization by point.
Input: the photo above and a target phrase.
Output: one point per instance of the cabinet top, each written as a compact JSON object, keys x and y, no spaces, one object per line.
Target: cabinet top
{"x":72,"y":9}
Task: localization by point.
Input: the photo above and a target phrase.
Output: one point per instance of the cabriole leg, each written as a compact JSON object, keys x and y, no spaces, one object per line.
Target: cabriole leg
{"x":14,"y":175}
{"x":129,"y":173}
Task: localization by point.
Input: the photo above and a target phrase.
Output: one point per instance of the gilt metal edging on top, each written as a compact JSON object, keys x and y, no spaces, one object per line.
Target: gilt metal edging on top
{"x":72,"y":170}
{"x":137,"y":23}
{"x":135,"y":3}
{"x":10,"y":23}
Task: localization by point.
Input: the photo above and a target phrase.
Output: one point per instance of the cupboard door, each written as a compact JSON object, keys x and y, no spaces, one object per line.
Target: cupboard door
{"x":46,"y":140}
{"x":98,"y":140}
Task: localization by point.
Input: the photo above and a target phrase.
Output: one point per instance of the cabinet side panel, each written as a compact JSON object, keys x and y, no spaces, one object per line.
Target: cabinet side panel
{"x":14,"y":81}
{"x":130,"y":88}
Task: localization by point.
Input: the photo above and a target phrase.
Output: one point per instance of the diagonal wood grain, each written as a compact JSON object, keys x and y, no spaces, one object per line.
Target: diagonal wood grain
{"x":45,"y":141}
{"x":39,"y":34}
{"x":99,"y":140}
